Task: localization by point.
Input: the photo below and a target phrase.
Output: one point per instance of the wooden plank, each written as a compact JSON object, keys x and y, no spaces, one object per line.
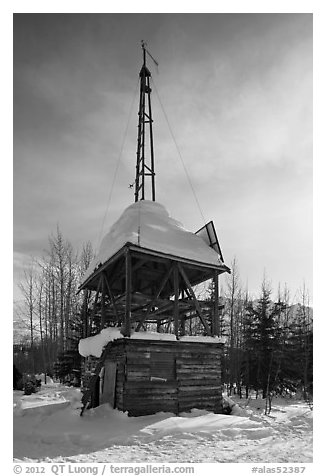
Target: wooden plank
{"x":162,"y":356}
{"x":198,"y":373}
{"x":199,"y":376}
{"x":199,"y":388}
{"x":138,"y":365}
{"x":189,"y":382}
{"x":197,"y":369}
{"x":143,"y":394}
{"x":138,"y":356}
{"x":150,"y":385}
{"x":157,"y":388}
{"x":200,"y":367}
{"x":199,"y":391}
{"x":109,"y":383}
{"x":137,"y":376}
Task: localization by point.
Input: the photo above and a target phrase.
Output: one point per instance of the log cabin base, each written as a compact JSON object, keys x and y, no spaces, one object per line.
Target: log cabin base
{"x":143,"y":377}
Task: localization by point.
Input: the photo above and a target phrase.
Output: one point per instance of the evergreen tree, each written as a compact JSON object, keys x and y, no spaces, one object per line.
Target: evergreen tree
{"x":298,"y":365}
{"x":262,"y":343}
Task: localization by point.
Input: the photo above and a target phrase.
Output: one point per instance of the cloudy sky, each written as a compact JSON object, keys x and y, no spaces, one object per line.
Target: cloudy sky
{"x":237,"y":91}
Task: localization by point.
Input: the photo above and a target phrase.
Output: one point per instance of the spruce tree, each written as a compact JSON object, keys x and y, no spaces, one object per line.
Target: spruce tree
{"x":262,"y":343}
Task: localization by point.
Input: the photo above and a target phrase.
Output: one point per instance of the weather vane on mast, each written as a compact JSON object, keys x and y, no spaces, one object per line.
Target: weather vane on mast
{"x":145,"y":168}
{"x":145,"y":50}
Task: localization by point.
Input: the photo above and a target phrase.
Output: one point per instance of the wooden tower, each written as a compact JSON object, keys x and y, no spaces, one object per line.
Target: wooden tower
{"x":167,"y":354}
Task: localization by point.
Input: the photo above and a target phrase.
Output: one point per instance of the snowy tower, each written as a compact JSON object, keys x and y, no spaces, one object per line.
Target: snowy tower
{"x":145,"y":164}
{"x":143,"y":282}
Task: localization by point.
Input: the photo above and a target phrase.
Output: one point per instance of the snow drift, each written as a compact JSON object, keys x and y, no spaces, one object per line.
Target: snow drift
{"x":56,"y":432}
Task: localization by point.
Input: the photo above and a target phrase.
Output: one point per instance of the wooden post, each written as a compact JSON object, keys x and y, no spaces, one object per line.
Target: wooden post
{"x":215,"y":316}
{"x":176,"y":300}
{"x":85,"y":314}
{"x":94,"y":307}
{"x":102,"y":300}
{"x":126,"y":329}
{"x":111,"y":297}
{"x":182,"y":325}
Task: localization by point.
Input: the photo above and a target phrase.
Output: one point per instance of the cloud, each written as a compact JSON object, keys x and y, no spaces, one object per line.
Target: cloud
{"x":237,"y":92}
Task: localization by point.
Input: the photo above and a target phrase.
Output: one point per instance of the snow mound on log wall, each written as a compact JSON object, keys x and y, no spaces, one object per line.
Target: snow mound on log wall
{"x":94,"y":345}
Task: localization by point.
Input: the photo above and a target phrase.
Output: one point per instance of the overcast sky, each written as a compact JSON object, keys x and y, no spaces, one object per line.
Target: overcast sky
{"x":237,"y":91}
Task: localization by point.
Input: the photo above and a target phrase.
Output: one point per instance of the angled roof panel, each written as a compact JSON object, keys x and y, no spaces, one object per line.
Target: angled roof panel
{"x":208,"y":234}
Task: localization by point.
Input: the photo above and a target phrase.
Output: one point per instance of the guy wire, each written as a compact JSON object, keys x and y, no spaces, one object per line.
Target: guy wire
{"x":117,"y":167}
{"x":179,"y":153}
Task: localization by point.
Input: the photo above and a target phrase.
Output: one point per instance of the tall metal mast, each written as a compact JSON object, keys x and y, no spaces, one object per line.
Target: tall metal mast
{"x":144,"y":165}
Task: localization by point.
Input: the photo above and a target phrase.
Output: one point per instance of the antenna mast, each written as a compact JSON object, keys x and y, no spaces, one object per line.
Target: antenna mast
{"x":145,"y":128}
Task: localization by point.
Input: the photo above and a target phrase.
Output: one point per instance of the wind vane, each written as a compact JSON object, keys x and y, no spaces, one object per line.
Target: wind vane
{"x":144,"y":46}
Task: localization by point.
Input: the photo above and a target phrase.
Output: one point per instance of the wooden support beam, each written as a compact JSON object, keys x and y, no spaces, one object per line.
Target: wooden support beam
{"x":102,"y":300}
{"x":112,"y":299}
{"x":215,"y":313}
{"x":176,"y":299}
{"x":118,"y":275}
{"x":185,"y":290}
{"x":193,"y":296}
{"x":84,"y":312}
{"x":182,"y":325}
{"x":151,"y":315}
{"x":91,"y":317}
{"x":158,"y":292}
{"x":126,"y":329}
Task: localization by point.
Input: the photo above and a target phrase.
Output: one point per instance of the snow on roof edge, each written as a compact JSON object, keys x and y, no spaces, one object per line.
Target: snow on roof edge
{"x":94,"y":345}
{"x":149,"y":226}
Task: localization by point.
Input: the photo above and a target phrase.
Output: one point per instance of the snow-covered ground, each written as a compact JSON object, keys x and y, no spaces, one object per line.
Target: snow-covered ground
{"x":47,"y":428}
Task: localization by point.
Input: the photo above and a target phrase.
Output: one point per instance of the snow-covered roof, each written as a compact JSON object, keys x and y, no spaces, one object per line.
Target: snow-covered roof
{"x":94,"y":345}
{"x":148,"y":225}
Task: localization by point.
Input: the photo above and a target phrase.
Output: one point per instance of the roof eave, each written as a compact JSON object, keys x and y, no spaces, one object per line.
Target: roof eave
{"x":222,"y":268}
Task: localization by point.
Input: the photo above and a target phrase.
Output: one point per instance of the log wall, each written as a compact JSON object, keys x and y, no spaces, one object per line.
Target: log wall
{"x":169,"y":376}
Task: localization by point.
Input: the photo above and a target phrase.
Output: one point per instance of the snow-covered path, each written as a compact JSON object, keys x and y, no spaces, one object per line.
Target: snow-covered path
{"x":48,"y":428}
